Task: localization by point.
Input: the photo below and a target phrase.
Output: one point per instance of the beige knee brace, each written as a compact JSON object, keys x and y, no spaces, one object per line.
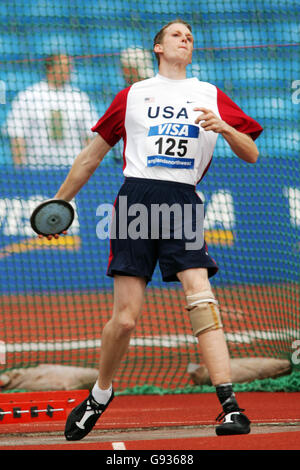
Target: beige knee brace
{"x":204,"y":312}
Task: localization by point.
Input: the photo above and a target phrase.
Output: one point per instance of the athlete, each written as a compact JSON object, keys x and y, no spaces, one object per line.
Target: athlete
{"x":169,"y":125}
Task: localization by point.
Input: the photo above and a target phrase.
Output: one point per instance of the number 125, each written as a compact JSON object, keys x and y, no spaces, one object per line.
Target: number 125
{"x":172,"y":147}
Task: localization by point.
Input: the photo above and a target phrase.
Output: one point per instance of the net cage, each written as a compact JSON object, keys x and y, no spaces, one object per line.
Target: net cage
{"x":55,"y":296}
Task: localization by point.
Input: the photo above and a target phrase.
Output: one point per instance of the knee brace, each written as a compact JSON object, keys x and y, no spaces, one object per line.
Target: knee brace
{"x":204,"y":312}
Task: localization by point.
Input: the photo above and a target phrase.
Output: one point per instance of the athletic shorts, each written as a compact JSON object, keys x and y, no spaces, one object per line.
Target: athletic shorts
{"x":138,"y":240}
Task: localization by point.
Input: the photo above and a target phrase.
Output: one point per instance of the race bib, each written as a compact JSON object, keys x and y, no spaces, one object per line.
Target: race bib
{"x":172,"y":145}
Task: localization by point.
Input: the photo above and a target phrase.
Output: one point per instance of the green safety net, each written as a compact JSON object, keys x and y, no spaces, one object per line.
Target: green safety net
{"x":62,"y":63}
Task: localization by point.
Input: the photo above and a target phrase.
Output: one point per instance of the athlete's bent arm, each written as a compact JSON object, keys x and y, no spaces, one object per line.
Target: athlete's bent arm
{"x":241,"y":144}
{"x":83,"y":167}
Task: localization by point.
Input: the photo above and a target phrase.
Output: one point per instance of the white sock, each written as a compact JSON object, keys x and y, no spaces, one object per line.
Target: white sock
{"x":101,"y":396}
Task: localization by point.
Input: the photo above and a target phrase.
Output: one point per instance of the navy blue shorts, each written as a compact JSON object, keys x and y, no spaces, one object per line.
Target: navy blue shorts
{"x":138,"y":256}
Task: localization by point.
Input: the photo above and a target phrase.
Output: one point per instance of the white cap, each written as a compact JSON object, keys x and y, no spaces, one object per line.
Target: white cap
{"x":140,"y":59}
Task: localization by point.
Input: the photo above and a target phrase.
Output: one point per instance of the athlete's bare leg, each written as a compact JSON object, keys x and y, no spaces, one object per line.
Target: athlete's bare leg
{"x":128,"y":301}
{"x":212,"y":343}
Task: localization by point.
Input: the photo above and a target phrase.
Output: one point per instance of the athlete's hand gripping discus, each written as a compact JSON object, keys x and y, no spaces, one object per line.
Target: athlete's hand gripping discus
{"x":52,"y":217}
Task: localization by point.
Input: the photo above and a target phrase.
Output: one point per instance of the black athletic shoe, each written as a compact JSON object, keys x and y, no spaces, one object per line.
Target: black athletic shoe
{"x":234,"y":422}
{"x":83,"y":418}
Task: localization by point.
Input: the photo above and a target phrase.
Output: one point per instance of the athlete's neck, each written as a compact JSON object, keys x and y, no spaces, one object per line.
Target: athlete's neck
{"x":174,"y":72}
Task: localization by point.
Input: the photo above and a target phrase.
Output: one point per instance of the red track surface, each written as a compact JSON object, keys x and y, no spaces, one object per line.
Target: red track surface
{"x":269,"y":413}
{"x":268,"y":441}
{"x":67,"y":317}
{"x":28,"y":319}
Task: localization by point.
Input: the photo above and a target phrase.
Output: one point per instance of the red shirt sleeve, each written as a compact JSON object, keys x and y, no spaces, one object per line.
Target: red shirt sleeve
{"x":235,"y":117}
{"x":111,"y":125}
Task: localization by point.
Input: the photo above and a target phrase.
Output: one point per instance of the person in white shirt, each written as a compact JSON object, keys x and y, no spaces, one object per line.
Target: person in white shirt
{"x":50,"y":121}
{"x":137,"y":65}
{"x":169,"y":125}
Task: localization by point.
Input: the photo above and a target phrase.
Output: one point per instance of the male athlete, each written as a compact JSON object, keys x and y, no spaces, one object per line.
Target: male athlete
{"x":169,"y":125}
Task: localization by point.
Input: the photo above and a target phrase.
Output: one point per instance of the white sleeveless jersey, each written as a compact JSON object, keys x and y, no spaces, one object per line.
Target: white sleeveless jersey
{"x":156,"y":120}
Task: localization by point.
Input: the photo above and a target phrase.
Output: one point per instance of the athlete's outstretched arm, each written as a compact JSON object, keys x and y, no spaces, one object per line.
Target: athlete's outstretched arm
{"x":241,"y":144}
{"x":83,"y":167}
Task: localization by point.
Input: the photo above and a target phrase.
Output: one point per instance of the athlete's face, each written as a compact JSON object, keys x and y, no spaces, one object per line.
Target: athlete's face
{"x":177,"y":44}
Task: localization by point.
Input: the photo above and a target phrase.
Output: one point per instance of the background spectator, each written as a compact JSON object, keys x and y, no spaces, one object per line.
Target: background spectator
{"x":137,"y":64}
{"x":50,"y":120}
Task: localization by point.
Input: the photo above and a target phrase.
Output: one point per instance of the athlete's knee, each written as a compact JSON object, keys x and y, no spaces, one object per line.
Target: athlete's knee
{"x":194,"y":280}
{"x":203,"y":311}
{"x":124,"y":323}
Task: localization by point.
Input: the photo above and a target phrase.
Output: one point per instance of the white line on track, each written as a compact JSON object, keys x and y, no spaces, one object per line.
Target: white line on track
{"x":163,"y":341}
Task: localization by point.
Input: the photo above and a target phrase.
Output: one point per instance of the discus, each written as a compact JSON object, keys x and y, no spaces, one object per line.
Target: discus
{"x":52,"y":217}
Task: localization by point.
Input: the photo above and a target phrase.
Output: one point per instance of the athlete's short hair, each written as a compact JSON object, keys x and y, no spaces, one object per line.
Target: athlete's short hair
{"x":160,"y":35}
